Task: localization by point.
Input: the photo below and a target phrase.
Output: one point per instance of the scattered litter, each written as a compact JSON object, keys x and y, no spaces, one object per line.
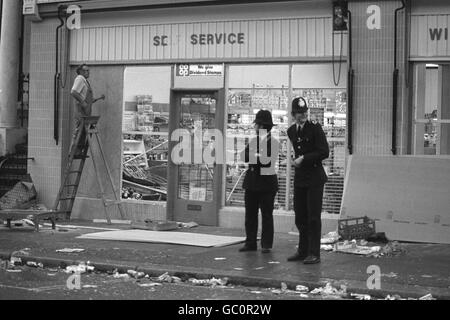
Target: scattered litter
{"x":361,"y":296}
{"x":389,"y":250}
{"x":427,"y":297}
{"x":35,"y":264}
{"x":13,"y":270}
{"x":352,"y":247}
{"x":165,"y":277}
{"x":273,"y":262}
{"x":81,"y":268}
{"x":239,"y":269}
{"x":276,"y":291}
{"x":301,"y":289}
{"x":219,"y":259}
{"x":330,"y":238}
{"x":87,"y":286}
{"x":426,"y":276}
{"x":304,"y":296}
{"x":390,"y":275}
{"x":15,"y":261}
{"x":326,"y":247}
{"x":329,"y":290}
{"x":258,"y":268}
{"x":212,"y":282}
{"x":118,"y":275}
{"x":69,"y":250}
{"x":256,"y":292}
{"x":188,"y":225}
{"x":394,"y":297}
{"x":135,"y":274}
{"x":150,"y":284}
{"x":51,"y":274}
{"x":284,"y":286}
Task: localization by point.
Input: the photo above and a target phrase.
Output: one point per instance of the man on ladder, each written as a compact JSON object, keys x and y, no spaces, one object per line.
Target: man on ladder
{"x":84,"y":96}
{"x":82,"y":141}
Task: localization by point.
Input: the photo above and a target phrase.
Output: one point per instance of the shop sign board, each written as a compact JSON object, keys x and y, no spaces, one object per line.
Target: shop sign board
{"x":193,"y":70}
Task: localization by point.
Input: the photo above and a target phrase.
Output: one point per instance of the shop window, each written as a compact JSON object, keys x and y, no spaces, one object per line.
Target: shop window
{"x":328,"y":106}
{"x":252,"y":88}
{"x":431,"y":122}
{"x":145,"y":133}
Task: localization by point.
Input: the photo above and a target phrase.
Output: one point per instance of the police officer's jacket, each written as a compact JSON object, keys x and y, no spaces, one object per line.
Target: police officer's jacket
{"x":261,"y":175}
{"x":311,"y":143}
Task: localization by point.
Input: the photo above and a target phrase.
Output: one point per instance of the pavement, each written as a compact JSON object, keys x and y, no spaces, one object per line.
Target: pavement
{"x":420,"y":270}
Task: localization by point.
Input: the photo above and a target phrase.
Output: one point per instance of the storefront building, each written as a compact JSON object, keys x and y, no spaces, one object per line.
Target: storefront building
{"x":212,"y":65}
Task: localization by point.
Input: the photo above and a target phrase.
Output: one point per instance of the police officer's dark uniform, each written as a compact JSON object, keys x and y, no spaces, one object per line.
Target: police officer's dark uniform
{"x":310,"y":143}
{"x":261,"y":185}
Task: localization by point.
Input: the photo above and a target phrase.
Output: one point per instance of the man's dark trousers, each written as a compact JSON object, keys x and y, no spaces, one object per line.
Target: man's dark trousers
{"x":255,"y":200}
{"x":308,"y":207}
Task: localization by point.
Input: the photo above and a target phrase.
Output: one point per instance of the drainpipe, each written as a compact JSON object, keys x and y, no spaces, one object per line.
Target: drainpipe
{"x":395,"y":85}
{"x":350,"y":78}
{"x":56,"y":80}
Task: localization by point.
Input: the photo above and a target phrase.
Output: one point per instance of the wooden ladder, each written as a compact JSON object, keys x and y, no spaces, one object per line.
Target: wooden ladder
{"x":83,"y":143}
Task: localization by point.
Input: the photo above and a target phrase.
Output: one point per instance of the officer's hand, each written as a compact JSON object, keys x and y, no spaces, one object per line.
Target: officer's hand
{"x":102,"y":97}
{"x":298,"y":161}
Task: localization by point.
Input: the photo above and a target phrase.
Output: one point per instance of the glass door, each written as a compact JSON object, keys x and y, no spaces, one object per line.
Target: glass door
{"x":194,"y":173}
{"x":431,"y":123}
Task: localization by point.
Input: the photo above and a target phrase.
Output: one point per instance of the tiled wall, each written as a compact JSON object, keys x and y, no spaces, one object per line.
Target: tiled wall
{"x":373,"y":62}
{"x":45,"y":170}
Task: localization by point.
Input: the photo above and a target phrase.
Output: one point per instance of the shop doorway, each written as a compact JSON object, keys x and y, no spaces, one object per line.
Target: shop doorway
{"x":195,"y":182}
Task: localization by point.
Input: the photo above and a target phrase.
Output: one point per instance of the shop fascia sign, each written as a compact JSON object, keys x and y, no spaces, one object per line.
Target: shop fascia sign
{"x":194,"y":70}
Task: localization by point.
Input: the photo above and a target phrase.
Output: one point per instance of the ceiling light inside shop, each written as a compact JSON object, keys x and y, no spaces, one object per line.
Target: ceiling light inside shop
{"x":431,"y":65}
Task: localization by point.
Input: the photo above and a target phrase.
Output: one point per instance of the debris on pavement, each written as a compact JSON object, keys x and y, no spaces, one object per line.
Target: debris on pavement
{"x":361,"y":296}
{"x":427,"y":297}
{"x":135,"y":274}
{"x":209,"y":282}
{"x":87,"y":286}
{"x":273,"y":262}
{"x":326,"y":247}
{"x":329,"y":290}
{"x":35,"y":264}
{"x":165,"y":277}
{"x":352,"y":247}
{"x":389,"y":275}
{"x":258,"y":268}
{"x":393,"y":297}
{"x":69,"y":250}
{"x":15,"y":261}
{"x":330,"y":238}
{"x":238,"y":269}
{"x":302,"y":289}
{"x":118,"y":275}
{"x":220,"y":259}
{"x":81,"y":268}
{"x":149,"y":284}
{"x":14,"y":270}
{"x":389,"y":250}
{"x":188,"y":225}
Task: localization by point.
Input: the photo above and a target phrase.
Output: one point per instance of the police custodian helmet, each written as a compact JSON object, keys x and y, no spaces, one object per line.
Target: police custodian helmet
{"x":299,"y":105}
